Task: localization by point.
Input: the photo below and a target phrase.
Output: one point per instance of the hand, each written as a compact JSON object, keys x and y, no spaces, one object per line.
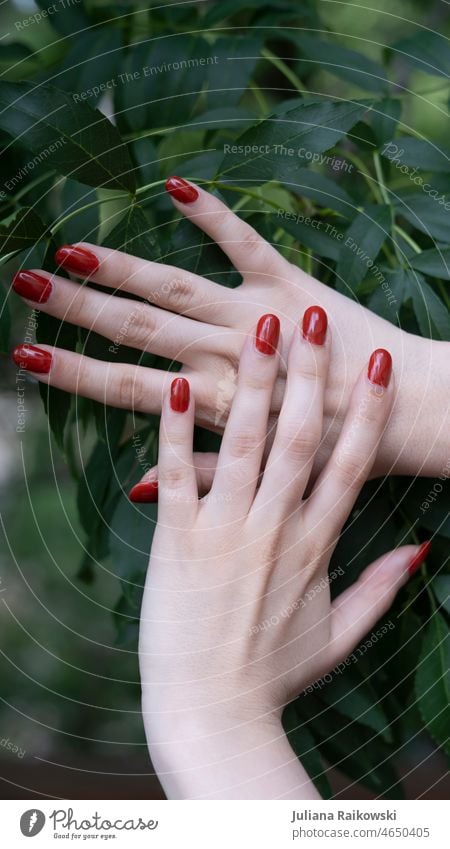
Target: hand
{"x":205,"y":329}
{"x":236,"y":618}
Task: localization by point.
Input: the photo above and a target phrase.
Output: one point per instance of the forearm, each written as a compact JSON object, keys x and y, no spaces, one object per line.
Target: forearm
{"x":252,"y":761}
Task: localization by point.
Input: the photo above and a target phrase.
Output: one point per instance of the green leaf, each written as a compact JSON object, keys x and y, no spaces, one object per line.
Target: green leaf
{"x":432,"y":682}
{"x":73,"y":21}
{"x":279,"y":147}
{"x":418,"y":153}
{"x":432,"y":316}
{"x":327,"y":193}
{"x":354,"y":697}
{"x":441,"y":588}
{"x":427,"y":50}
{"x":361,"y":245}
{"x":426,"y":213}
{"x":227,"y":8}
{"x":73,"y":138}
{"x":132,"y":528}
{"x":429,"y":499}
{"x":5,"y":321}
{"x":227,"y":79}
{"x":434,"y":262}
{"x":22,"y":232}
{"x":384,"y":116}
{"x":90,"y":65}
{"x":342,"y":62}
{"x":389,"y":296}
{"x":305,"y":748}
{"x":311,"y":232}
{"x":134,"y":235}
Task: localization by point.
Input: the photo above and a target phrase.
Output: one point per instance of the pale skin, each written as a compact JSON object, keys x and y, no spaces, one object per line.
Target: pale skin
{"x":205,"y":330}
{"x":214,"y":682}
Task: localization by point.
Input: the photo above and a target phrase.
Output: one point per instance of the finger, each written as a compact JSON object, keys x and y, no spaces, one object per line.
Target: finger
{"x":122,"y":320}
{"x":169,"y":287}
{"x":242,"y":447}
{"x":246,"y":249}
{"x":353,"y":456}
{"x":177,"y":486}
{"x":115,"y":384}
{"x":146,"y":491}
{"x":360,"y":607}
{"x":299,"y":428}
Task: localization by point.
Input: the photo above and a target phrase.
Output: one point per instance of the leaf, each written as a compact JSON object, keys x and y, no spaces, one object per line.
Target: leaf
{"x":279,"y":147}
{"x":311,"y":232}
{"x":432,"y":316}
{"x":426,"y":213}
{"x":72,"y":21}
{"x":227,"y":8}
{"x":389,"y":296}
{"x":133,"y":235}
{"x":418,"y":152}
{"x":427,"y":50}
{"x":384,"y":116}
{"x":5,"y":321}
{"x":430,"y":500}
{"x":89,"y":69}
{"x":441,"y":588}
{"x":22,"y":232}
{"x":361,"y":245}
{"x":227,"y":78}
{"x":73,"y":138}
{"x":354,"y":697}
{"x":132,"y":528}
{"x":327,"y":193}
{"x":304,"y":746}
{"x":432,"y":682}
{"x":342,"y":62}
{"x":434,"y":262}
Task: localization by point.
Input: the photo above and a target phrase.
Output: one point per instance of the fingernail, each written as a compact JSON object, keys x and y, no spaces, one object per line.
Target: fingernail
{"x":267,"y":334}
{"x":145,"y":492}
{"x":181,"y":190}
{"x":179,"y":395}
{"x":31,"y":358}
{"x":380,"y":367}
{"x":32,"y":286}
{"x":315,"y":325}
{"x":76,"y":259}
{"x":419,"y":557}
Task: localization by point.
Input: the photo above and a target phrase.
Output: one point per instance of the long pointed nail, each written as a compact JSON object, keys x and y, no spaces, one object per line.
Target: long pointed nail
{"x":31,"y":358}
{"x":145,"y":492}
{"x":181,"y":190}
{"x":419,"y":557}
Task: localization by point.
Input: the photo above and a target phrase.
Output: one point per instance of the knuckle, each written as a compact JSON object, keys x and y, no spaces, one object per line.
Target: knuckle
{"x":298,"y":444}
{"x":180,"y":294}
{"x":174,"y":477}
{"x":131,"y":392}
{"x":351,"y":471}
{"x":141,"y":327}
{"x":243,"y":444}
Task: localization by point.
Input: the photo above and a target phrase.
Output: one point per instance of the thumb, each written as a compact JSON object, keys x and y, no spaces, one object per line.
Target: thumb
{"x":357,"y":609}
{"x":146,"y":491}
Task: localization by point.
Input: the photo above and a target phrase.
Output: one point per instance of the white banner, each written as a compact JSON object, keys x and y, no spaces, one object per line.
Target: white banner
{"x":221,"y":825}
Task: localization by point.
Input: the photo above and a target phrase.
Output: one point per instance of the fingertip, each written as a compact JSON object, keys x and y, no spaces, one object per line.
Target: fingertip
{"x":144,"y":492}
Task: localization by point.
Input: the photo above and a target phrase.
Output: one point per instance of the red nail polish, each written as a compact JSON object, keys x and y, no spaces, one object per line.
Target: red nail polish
{"x":315,"y":325}
{"x":179,"y":395}
{"x":421,"y":555}
{"x":145,"y":492}
{"x":267,"y":334}
{"x":76,"y":259}
{"x":181,"y":190}
{"x":32,"y":286}
{"x":380,"y":367}
{"x":31,"y":358}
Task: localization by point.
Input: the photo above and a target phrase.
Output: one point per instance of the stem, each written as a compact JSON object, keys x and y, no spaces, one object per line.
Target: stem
{"x":401,"y":232}
{"x":284,"y":69}
{"x":380,"y":178}
{"x":373,"y":185}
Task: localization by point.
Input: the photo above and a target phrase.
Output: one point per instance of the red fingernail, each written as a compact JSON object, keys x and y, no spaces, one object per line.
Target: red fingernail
{"x":315,"y":325}
{"x":421,"y":555}
{"x":179,"y":395}
{"x":380,"y":367}
{"x":32,"y":286}
{"x":181,"y":190}
{"x":145,"y":492}
{"x":267,"y":334}
{"x":76,"y":259}
{"x":32,"y":359}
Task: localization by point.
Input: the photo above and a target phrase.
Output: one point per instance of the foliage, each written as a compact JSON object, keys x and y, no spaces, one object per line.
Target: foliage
{"x":279,"y":77}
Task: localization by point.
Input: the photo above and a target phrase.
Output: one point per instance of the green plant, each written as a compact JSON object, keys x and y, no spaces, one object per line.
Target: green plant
{"x":69,"y":173}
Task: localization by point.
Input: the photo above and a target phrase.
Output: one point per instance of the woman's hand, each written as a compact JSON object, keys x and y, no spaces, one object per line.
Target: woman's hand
{"x":201,"y":324}
{"x":236,"y":617}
